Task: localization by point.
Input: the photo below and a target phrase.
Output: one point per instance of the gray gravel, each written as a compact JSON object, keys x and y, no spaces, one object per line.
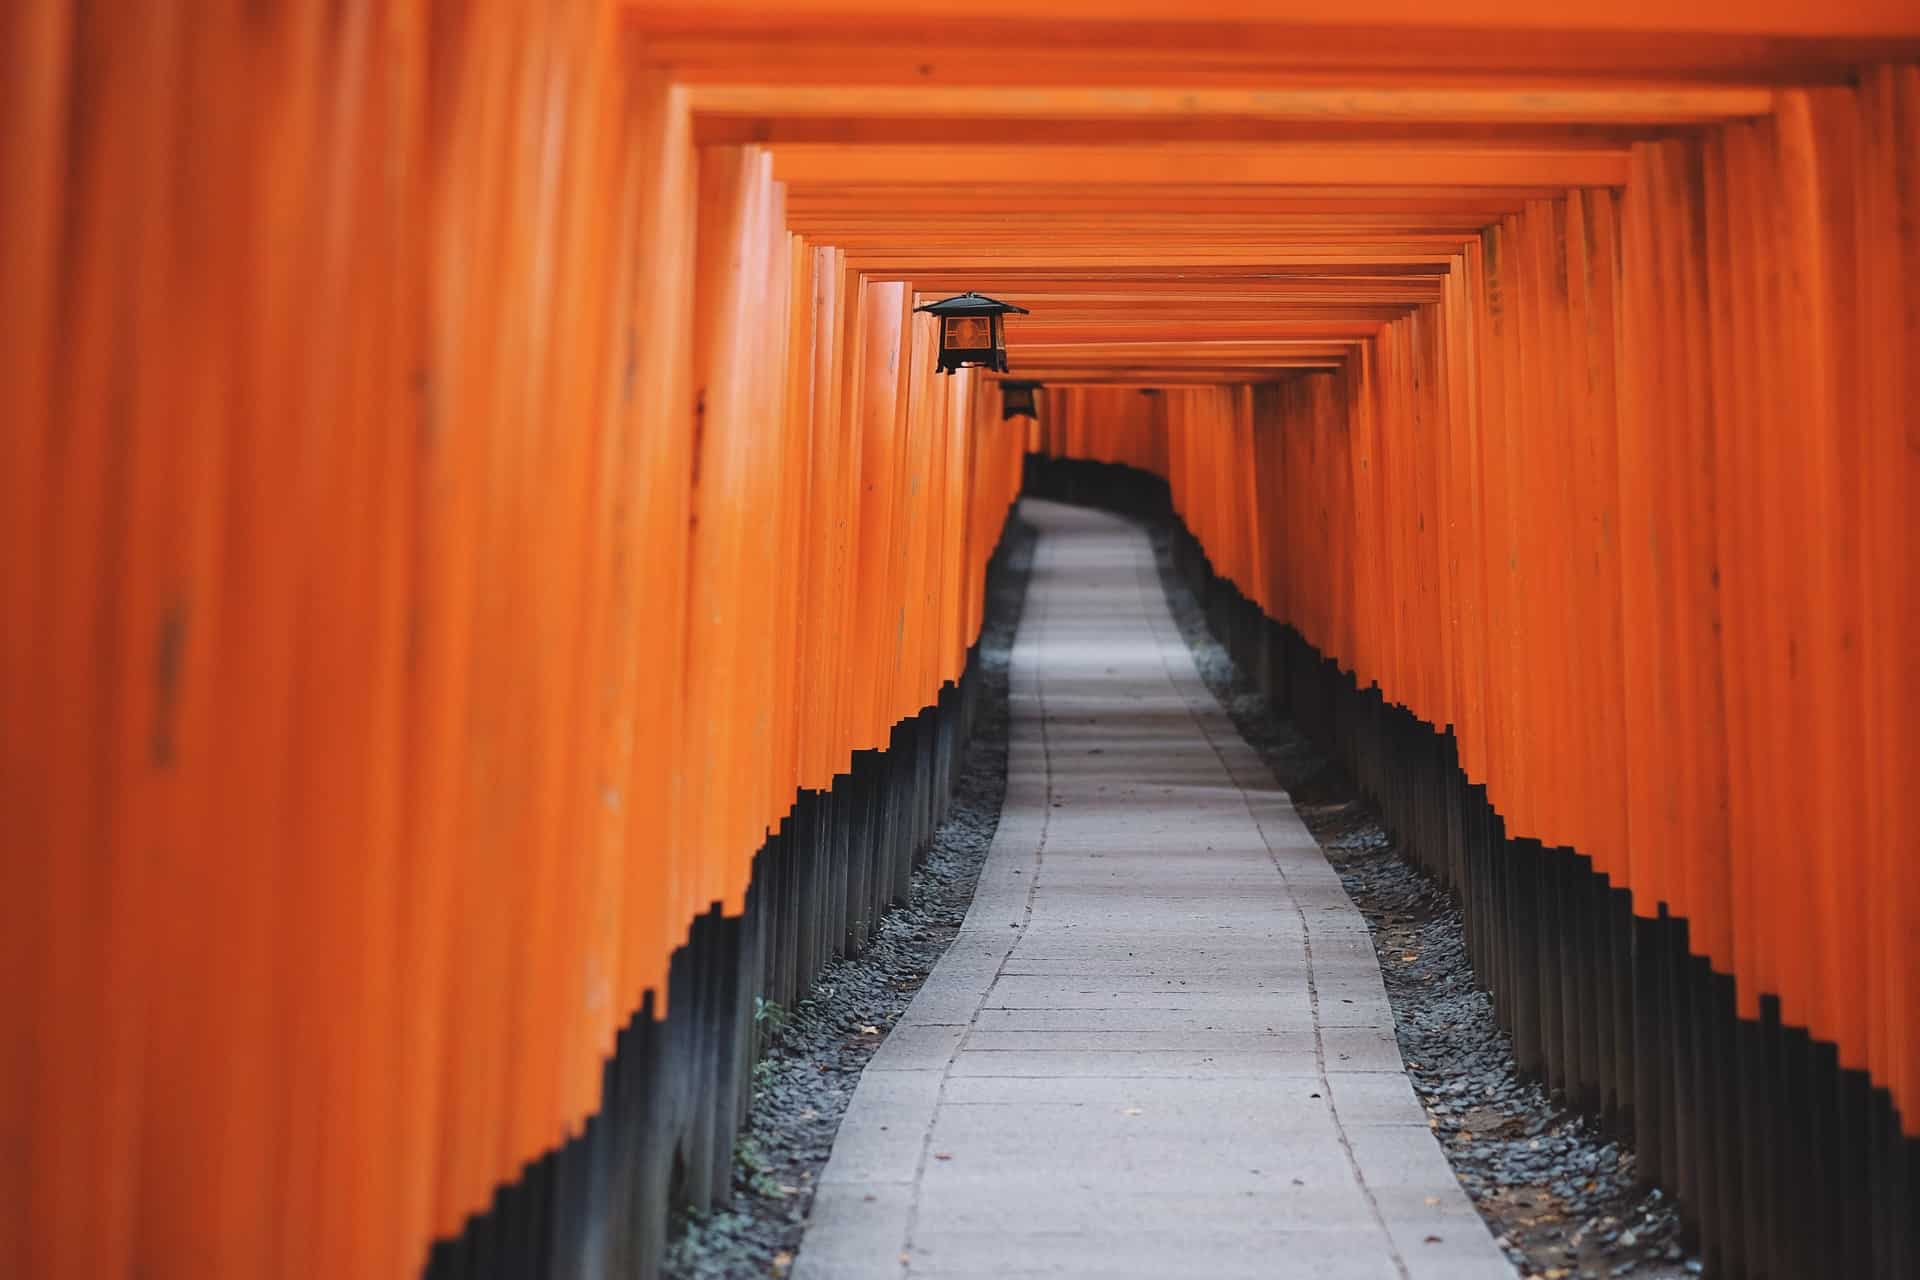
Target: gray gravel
{"x":1562,"y":1198}
{"x":817,"y":1051}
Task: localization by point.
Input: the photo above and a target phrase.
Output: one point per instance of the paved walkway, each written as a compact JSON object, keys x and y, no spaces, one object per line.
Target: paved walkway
{"x":1160,"y":1046}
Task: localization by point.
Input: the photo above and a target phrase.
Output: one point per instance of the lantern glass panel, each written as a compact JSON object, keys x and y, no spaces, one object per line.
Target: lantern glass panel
{"x":968,"y":333}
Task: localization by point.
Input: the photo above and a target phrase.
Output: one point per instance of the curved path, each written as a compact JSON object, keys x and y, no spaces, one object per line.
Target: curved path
{"x":1160,"y":1046}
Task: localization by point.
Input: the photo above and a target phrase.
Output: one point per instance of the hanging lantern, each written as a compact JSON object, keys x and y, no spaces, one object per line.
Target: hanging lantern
{"x":1017,"y":400}
{"x":971,"y":331}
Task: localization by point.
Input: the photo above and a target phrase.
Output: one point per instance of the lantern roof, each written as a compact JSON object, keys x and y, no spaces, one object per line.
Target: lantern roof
{"x":971,"y":304}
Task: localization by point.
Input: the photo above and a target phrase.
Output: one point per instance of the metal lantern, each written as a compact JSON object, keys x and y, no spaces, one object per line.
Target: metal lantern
{"x":1017,"y":400}
{"x":971,"y":332}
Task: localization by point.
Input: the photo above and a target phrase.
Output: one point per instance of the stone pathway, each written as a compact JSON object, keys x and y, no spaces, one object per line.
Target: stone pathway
{"x":1160,"y":1046}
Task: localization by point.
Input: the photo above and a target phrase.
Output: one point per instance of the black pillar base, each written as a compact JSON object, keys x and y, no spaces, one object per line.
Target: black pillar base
{"x":1786,"y":1166}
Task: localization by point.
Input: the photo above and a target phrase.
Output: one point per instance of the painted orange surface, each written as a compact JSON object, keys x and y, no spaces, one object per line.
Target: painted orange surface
{"x":1631,"y":510}
{"x":464,"y":467}
{"x":431,"y":491}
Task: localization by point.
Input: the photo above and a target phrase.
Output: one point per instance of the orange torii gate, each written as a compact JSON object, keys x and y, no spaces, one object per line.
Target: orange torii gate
{"x":473,"y":489}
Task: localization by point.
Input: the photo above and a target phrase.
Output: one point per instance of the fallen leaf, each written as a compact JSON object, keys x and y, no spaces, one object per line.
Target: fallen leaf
{"x":1408,"y":957}
{"x":1433,"y":1240}
{"x":943,"y":1155}
{"x":1433,"y":1199}
{"x":781,"y":1261}
{"x":869,"y":1031}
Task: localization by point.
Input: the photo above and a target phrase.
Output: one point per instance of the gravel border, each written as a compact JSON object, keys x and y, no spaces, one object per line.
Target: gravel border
{"x":1563,"y":1199}
{"x":802,"y":1086}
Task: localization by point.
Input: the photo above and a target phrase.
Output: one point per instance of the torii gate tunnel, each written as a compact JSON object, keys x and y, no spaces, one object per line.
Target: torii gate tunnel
{"x":490,"y":576}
